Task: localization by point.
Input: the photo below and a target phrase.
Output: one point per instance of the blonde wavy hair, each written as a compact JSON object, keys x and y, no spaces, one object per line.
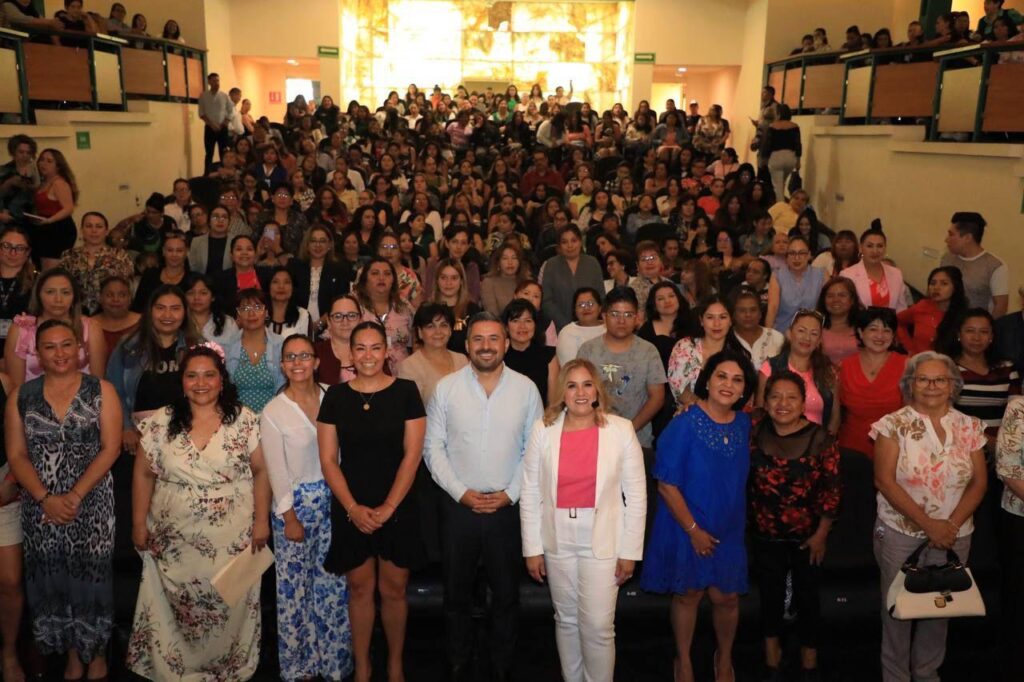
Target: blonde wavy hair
{"x":558,"y":406}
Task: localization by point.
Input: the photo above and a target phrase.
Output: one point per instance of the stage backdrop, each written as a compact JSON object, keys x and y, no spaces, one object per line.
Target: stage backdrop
{"x":388,"y":44}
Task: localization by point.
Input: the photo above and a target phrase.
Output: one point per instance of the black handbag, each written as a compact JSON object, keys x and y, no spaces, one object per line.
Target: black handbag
{"x":795,"y":182}
{"x":951,"y":576}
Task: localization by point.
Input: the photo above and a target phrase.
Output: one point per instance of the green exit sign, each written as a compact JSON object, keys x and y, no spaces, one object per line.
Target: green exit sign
{"x":643,"y":58}
{"x":82,"y":139}
{"x":326,"y":51}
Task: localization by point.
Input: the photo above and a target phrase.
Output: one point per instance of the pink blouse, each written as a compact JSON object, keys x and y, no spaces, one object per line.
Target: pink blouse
{"x":814,"y":406}
{"x":26,"y":346}
{"x":577,"y":469}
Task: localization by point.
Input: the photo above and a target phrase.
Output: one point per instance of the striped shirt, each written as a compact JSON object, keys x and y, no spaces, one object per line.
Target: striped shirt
{"x":985,"y":395}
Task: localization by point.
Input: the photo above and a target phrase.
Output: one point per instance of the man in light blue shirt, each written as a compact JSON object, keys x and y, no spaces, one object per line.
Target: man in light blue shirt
{"x":478,"y":423}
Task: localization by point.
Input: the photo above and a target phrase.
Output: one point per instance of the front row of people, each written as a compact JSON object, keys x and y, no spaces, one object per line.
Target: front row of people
{"x":330,"y":474}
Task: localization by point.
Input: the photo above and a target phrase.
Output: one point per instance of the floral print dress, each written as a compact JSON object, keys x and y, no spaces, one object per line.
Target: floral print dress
{"x":200,"y":517}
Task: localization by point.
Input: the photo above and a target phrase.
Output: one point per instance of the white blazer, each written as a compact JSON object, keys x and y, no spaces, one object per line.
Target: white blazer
{"x":620,"y":510}
{"x":893,"y":277}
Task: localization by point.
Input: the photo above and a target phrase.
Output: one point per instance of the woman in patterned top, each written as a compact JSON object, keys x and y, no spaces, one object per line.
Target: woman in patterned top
{"x":931,"y":477}
{"x":794,"y":493}
{"x":1010,"y":469}
{"x":94,"y":261}
{"x":63,"y":434}
{"x":202,"y":497}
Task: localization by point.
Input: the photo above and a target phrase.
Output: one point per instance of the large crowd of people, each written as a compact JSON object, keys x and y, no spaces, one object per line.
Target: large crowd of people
{"x":597,"y":345}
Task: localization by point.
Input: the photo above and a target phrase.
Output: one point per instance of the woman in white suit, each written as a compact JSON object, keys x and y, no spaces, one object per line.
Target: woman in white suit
{"x":583,"y":507}
{"x":878,"y":283}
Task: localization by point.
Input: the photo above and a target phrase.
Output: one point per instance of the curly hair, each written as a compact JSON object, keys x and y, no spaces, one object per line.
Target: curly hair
{"x":227,"y":402}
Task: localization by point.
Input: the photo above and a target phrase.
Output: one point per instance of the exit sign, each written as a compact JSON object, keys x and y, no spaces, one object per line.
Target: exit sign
{"x":82,"y":139}
{"x":643,"y":58}
{"x":326,"y":51}
{"x":274,"y":96}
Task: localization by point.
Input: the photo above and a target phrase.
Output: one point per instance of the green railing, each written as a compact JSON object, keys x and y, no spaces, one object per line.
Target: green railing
{"x":966,"y":93}
{"x":43,"y":69}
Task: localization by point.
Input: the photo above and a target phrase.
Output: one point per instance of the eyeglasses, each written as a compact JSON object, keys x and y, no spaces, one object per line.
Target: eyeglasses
{"x":319,"y":242}
{"x":810,"y":312}
{"x":925,"y":382}
{"x":648,"y":259}
{"x":15,"y":248}
{"x":297,"y":357}
{"x":586,"y":305}
{"x":344,"y":317}
{"x":254,"y":308}
{"x":388,"y":247}
{"x":803,"y":252}
{"x":620,"y":315}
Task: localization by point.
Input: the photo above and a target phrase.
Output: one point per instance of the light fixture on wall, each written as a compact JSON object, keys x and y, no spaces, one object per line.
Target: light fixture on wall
{"x":293,"y":62}
{"x":681,"y":70}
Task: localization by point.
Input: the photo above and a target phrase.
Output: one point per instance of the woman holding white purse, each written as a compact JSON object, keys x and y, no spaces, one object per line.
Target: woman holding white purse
{"x":930,"y":474}
{"x":583,"y":507}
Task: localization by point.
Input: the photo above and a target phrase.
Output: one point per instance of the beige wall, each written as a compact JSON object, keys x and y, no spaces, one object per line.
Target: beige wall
{"x":751,"y":74}
{"x":217,"y":24}
{"x":857,"y":173}
{"x":715,"y":87}
{"x":132,"y":154}
{"x":690,"y":31}
{"x":253,"y":24}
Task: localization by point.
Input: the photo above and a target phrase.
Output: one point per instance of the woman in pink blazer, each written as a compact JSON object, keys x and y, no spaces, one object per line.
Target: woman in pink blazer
{"x":878,"y":283}
{"x":583,"y":507}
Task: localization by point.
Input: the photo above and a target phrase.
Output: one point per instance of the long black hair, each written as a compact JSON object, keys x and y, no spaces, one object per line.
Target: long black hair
{"x":950,"y":325}
{"x":684,"y":324}
{"x":216,"y":312}
{"x":952,"y":346}
{"x":291,"y":310}
{"x":143,"y":344}
{"x":227,"y":402}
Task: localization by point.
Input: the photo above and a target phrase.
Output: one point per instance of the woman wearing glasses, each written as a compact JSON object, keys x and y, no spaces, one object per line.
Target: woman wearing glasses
{"x":795,"y":286}
{"x":931,"y":477}
{"x":802,"y":355}
{"x":248,"y":356}
{"x":17,"y":275}
{"x":243,"y":274}
{"x":313,"y":637}
{"x":433,"y":360}
{"x":334,"y":353}
{"x":318,"y":277}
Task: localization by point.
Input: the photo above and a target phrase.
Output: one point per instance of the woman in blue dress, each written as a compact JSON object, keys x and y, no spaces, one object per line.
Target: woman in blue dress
{"x":696,"y":543}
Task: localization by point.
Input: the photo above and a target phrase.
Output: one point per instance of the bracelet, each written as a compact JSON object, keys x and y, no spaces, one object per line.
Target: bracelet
{"x":45,"y":497}
{"x":692,"y":526}
{"x":348,"y":512}
{"x":75,"y":493}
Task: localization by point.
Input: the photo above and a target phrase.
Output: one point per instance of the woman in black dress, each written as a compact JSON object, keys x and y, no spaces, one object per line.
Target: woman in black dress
{"x":526,"y":354}
{"x":377,"y":422}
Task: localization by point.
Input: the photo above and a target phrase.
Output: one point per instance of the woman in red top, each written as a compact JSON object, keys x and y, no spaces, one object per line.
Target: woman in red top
{"x":54,"y":202}
{"x":921,"y":323}
{"x":869,"y":381}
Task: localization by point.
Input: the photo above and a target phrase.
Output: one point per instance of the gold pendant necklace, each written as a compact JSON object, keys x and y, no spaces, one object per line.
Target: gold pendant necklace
{"x":366,"y":403}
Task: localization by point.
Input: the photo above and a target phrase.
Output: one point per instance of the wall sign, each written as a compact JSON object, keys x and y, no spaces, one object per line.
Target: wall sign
{"x":643,"y":58}
{"x":274,"y":96}
{"x":326,"y":51}
{"x":82,"y":139}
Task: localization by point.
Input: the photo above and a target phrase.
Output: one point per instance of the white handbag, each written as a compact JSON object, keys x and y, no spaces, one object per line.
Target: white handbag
{"x":943,"y":591}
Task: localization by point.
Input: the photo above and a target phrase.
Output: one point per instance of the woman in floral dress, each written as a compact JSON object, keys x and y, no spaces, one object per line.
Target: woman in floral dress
{"x":199,"y":484}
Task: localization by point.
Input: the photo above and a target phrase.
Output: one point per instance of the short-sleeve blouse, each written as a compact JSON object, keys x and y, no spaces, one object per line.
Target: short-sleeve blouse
{"x":685,"y":364}
{"x":933,"y":473}
{"x":1010,"y":453}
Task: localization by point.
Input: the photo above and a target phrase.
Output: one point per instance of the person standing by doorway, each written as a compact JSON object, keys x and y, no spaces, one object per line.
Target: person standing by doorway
{"x":215,"y":109}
